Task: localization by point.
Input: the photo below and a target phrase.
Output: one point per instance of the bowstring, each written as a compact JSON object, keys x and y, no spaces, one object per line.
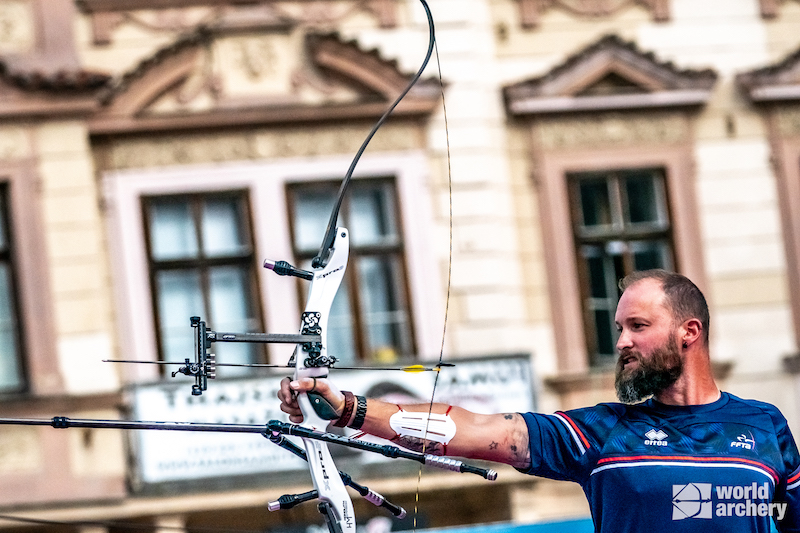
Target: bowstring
{"x":449,"y":273}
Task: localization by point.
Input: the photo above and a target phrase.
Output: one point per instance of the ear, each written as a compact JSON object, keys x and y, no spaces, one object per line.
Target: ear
{"x":690,"y":331}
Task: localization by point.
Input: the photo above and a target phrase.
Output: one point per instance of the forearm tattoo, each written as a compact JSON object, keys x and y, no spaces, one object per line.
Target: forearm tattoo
{"x":415,"y":444}
{"x":518,"y":444}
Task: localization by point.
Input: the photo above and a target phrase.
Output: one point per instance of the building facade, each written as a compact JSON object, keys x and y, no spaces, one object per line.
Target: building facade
{"x":153,"y":153}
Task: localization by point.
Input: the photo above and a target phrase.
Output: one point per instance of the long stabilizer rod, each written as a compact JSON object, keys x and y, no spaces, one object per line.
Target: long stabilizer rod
{"x":276,"y":426}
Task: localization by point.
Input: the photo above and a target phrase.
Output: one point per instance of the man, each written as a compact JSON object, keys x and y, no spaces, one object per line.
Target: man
{"x":689,"y":458}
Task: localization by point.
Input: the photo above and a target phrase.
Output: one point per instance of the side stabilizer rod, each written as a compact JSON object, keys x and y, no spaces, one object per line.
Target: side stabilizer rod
{"x":447,"y":463}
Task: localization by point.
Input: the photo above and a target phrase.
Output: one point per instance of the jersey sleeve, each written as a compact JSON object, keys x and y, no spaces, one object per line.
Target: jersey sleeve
{"x":790,"y":486}
{"x":564,"y":445}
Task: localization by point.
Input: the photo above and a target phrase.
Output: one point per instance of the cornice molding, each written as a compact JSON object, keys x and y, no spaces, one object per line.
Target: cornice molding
{"x":610,"y":74}
{"x":770,"y":8}
{"x":39,"y":94}
{"x":779,"y":82}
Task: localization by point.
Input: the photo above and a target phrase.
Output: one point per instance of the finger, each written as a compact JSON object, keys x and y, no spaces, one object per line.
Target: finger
{"x":286,"y":385}
{"x":286,"y":394}
{"x":320,"y":386}
{"x":291,"y":411}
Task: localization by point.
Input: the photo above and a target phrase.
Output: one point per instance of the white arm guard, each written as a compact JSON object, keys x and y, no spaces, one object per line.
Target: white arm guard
{"x":440,"y":428}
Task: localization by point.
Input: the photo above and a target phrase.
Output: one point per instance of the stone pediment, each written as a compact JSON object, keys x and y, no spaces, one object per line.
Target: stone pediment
{"x":39,"y":93}
{"x":610,"y":74}
{"x":773,"y":83}
{"x":211,"y":78}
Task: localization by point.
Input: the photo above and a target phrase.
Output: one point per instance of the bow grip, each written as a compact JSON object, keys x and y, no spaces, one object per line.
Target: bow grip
{"x":321,"y":406}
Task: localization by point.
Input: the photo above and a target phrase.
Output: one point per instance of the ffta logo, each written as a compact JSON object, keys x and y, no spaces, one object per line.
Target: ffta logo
{"x":745,"y":442}
{"x":692,"y":500}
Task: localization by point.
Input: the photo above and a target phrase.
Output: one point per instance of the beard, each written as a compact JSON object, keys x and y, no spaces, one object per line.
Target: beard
{"x":652,"y":374}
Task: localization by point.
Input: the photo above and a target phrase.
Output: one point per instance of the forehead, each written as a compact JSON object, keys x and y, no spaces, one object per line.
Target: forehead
{"x":644,"y":299}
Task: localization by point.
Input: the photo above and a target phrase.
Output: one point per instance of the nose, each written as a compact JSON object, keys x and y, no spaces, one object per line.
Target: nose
{"x":624,"y":340}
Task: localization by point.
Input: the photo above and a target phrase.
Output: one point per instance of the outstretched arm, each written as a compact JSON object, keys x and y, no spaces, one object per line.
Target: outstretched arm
{"x":500,"y":437}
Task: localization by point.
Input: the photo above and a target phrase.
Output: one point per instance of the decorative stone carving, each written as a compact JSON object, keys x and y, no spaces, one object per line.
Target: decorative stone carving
{"x":167,"y":151}
{"x":258,"y":57}
{"x":173,"y":16}
{"x":14,"y":143}
{"x":612,"y":129}
{"x":211,"y":79}
{"x":788,"y":120}
{"x":17,"y":31}
{"x":20,"y":450}
{"x":182,"y":150}
{"x":530,"y":10}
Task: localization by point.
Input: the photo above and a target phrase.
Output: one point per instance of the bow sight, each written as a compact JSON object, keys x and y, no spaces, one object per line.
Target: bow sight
{"x":204,"y":366}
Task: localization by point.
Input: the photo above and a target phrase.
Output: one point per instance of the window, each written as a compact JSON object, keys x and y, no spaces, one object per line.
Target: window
{"x":370,"y":316}
{"x":621,"y":224}
{"x":201,"y":264}
{"x":12,"y":375}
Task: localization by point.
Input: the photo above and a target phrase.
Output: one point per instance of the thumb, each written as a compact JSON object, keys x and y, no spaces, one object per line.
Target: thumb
{"x":323,"y":387}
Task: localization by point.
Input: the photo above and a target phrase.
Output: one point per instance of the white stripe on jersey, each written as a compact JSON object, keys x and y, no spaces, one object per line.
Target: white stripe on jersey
{"x":684,"y":463}
{"x":575,"y":436}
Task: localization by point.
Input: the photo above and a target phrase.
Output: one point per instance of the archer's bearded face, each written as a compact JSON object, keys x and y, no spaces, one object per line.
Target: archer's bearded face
{"x":650,"y":374}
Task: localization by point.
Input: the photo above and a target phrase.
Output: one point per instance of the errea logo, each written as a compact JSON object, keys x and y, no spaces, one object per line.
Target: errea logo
{"x":655,"y":437}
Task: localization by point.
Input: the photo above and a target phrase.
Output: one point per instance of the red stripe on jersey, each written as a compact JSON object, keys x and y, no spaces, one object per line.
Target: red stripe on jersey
{"x":576,"y":428}
{"x":736,"y":460}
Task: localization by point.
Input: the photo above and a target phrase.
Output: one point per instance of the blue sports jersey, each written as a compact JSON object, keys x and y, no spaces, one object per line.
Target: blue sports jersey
{"x":730,"y":466}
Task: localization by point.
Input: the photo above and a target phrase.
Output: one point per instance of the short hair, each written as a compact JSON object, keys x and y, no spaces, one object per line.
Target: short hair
{"x":683,"y":298}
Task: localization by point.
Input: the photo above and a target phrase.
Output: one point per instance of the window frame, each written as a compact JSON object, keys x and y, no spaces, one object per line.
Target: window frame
{"x":9,"y":256}
{"x":266,"y":181}
{"x":785,"y":151}
{"x":201,"y":263}
{"x":34,"y":297}
{"x":560,"y":255}
{"x":596,"y":360}
{"x":351,"y":275}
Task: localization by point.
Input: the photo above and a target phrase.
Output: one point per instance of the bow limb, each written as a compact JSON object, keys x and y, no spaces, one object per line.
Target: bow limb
{"x":312,"y":360}
{"x":327,"y":241}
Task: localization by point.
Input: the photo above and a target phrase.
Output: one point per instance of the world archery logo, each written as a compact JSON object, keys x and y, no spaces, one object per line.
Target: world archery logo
{"x":691,"y":501}
{"x":704,"y":500}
